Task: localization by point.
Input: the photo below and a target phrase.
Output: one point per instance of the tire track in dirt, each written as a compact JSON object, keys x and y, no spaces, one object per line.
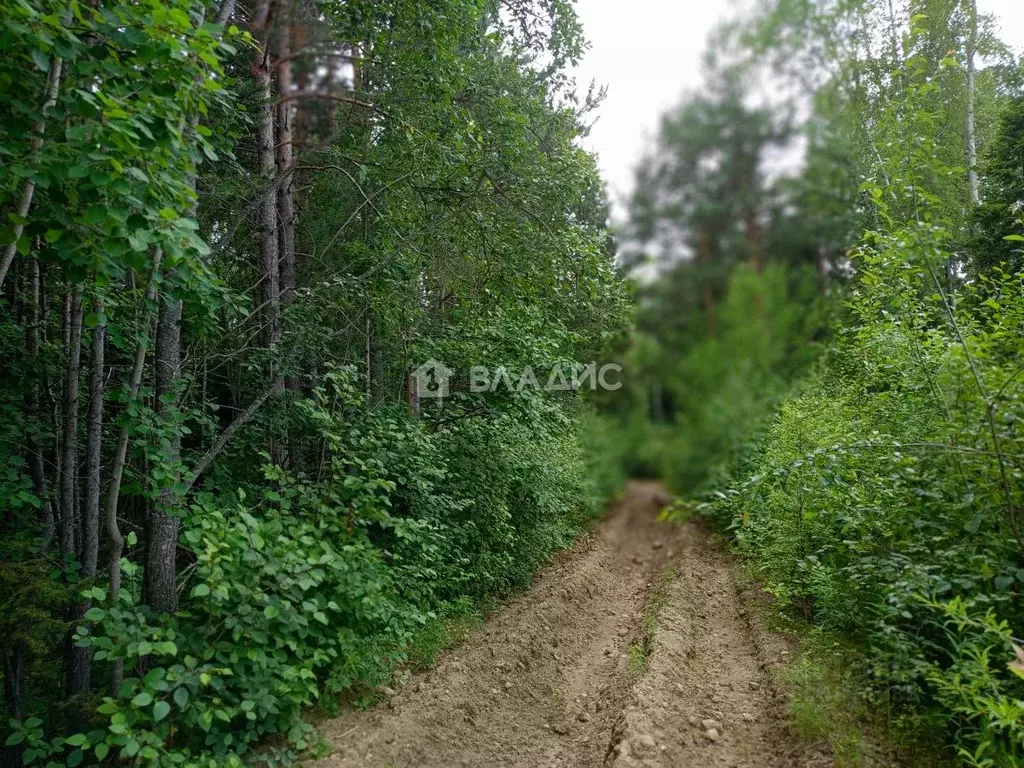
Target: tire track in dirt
{"x":546,"y":680}
{"x":708,"y":698}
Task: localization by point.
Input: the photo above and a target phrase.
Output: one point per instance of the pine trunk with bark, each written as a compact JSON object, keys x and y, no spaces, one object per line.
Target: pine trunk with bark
{"x":159,"y":584}
{"x":285,"y":194}
{"x":267,"y":159}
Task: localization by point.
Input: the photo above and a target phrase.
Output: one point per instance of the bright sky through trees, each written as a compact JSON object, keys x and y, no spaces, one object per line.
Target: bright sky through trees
{"x":647,"y":52}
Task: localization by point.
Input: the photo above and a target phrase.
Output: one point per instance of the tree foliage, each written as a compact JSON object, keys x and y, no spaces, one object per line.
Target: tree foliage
{"x":879,"y":496}
{"x":230,"y":234}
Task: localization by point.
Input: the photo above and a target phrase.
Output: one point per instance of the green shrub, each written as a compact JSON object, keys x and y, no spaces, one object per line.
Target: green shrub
{"x":893,"y":522}
{"x":303,"y":589}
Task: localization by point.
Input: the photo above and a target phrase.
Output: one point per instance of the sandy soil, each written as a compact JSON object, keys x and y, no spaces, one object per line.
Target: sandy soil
{"x":547,"y":680}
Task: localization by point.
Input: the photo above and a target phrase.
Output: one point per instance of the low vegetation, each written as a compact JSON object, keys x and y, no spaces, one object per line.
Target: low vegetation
{"x":861,"y":443}
{"x":231,"y":234}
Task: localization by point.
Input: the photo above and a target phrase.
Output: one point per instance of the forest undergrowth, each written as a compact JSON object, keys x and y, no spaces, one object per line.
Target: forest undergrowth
{"x":232,"y":235}
{"x":835,"y":375}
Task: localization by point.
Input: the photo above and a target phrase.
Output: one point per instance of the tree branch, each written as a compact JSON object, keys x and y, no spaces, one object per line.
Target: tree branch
{"x":325,"y":95}
{"x":227,"y":434}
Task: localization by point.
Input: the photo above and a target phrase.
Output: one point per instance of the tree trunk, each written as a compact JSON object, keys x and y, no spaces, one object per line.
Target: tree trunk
{"x":80,"y":659}
{"x":368,"y":363}
{"x":14,"y":675}
{"x":28,"y":188}
{"x":37,"y":465}
{"x":972,"y":147}
{"x":160,"y":578}
{"x":120,"y":453}
{"x":752,"y":236}
{"x":159,"y":584}
{"x":412,"y":393}
{"x":227,"y":7}
{"x":69,"y":443}
{"x":285,"y":197}
{"x":707,"y":289}
{"x":269,"y":252}
{"x":300,"y":136}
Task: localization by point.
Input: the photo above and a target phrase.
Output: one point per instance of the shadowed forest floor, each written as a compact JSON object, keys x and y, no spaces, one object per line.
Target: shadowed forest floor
{"x":637,"y":648}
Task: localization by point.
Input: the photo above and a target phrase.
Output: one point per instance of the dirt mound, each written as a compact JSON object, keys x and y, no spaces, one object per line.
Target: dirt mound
{"x":550,"y":680}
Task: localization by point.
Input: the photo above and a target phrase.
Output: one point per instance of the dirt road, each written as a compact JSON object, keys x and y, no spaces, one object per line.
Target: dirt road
{"x":634,"y":649}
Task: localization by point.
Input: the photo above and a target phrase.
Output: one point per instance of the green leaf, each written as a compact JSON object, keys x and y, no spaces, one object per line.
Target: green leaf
{"x":75,"y":740}
{"x":41,"y":60}
{"x":15,"y":738}
{"x":101,"y":751}
{"x":181,"y":696}
{"x":1014,"y":238}
{"x":142,"y":700}
{"x":201,"y":590}
{"x":75,"y":758}
{"x":160,"y":710}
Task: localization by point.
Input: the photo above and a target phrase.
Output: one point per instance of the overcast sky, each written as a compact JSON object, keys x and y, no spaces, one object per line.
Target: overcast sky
{"x":647,"y":52}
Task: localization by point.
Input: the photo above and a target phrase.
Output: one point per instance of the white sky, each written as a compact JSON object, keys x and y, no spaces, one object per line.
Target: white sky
{"x":648,"y":53}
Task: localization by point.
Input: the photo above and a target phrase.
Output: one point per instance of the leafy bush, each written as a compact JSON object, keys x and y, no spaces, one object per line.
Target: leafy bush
{"x":224,"y":498}
{"x":881,"y":499}
{"x":302,"y":589}
{"x":895,"y":521}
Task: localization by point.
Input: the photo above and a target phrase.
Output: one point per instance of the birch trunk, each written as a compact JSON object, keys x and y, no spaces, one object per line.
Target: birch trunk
{"x":28,"y":189}
{"x":285,"y":195}
{"x":69,"y":440}
{"x":972,"y":147}
{"x":37,"y":464}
